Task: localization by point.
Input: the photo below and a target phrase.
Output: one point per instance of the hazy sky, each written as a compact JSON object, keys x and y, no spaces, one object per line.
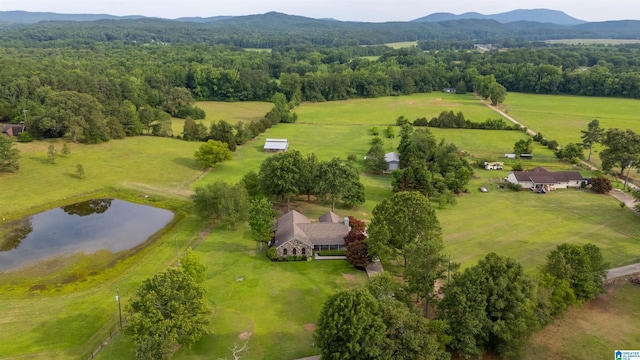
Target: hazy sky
{"x":356,"y":10}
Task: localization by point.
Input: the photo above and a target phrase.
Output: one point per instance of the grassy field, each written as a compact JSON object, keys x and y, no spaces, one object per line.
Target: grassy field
{"x":593,"y":331}
{"x":269,"y":302}
{"x":594,"y":41}
{"x":563,"y":117}
{"x":249,"y":294}
{"x":402,"y":44}
{"x":526,"y":226}
{"x":385,"y":111}
{"x":228,"y":111}
{"x":141,"y":163}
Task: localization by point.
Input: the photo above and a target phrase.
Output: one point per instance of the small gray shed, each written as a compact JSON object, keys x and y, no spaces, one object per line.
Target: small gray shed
{"x":393,"y":160}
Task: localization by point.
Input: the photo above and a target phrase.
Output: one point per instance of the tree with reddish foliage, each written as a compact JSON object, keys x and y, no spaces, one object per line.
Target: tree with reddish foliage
{"x":357,"y":254}
{"x":357,"y":225}
{"x":354,"y":235}
{"x":601,"y":184}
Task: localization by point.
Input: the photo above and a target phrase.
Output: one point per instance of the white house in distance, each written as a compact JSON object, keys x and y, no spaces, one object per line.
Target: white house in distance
{"x":393,"y":160}
{"x":276,"y":145}
{"x":541,"y":179}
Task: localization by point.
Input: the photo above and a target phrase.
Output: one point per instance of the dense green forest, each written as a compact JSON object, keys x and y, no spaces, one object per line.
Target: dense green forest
{"x":115,"y":88}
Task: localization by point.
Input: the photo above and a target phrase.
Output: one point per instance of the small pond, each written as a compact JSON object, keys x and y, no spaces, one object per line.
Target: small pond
{"x":90,"y":226}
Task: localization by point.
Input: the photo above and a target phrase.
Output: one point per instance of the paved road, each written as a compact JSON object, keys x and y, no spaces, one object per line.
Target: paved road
{"x":374,"y":269}
{"x":623,"y":271}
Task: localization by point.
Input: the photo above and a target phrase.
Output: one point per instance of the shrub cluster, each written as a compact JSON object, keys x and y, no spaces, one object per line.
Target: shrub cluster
{"x":600,"y":184}
{"x":449,"y":119}
{"x":513,"y":187}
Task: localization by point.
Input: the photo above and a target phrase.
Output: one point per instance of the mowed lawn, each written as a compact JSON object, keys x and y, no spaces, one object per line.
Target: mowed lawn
{"x":251,"y":297}
{"x":562,"y":117}
{"x":527,"y":226}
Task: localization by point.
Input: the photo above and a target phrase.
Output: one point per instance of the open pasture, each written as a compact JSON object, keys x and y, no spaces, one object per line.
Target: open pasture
{"x":231,"y":112}
{"x":593,"y":331}
{"x":328,"y":141}
{"x":527,"y":226}
{"x":385,"y":110}
{"x":593,"y":41}
{"x":146,"y":163}
{"x":402,"y":44}
{"x":561,"y":117}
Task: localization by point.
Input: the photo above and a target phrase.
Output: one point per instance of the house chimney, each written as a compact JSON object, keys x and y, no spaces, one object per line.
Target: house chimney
{"x":346,"y":223}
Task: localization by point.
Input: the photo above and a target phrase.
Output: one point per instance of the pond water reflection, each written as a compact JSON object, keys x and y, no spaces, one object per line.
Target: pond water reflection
{"x":90,"y":226}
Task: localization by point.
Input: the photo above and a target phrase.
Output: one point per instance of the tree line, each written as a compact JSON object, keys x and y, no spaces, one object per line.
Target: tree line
{"x":107,"y":90}
{"x":281,"y":176}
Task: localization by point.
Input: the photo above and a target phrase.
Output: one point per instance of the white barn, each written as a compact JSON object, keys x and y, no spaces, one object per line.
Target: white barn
{"x":276,"y":145}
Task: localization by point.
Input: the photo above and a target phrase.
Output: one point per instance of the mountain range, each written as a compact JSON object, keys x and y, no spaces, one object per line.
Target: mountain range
{"x":535,"y":15}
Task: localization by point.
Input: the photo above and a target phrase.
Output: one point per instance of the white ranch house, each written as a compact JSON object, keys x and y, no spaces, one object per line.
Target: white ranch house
{"x":541,"y":179}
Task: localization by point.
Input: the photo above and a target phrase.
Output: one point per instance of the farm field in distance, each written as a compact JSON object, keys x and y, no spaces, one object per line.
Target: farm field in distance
{"x":562,"y":117}
{"x":593,"y":41}
{"x":274,"y":302}
{"x":231,"y":112}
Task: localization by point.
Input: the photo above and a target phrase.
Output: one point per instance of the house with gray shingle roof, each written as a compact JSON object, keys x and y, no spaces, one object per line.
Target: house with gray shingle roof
{"x":297,"y":235}
{"x":542,"y":179}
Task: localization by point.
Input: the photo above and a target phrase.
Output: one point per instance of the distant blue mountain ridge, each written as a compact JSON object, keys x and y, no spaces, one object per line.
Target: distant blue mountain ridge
{"x":536,"y":15}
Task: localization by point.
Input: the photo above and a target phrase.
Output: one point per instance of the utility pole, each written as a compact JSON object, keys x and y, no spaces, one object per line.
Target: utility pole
{"x":24,"y":112}
{"x":119,"y":308}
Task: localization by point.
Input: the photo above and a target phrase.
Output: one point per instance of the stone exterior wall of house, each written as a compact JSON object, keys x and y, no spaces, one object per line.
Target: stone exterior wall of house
{"x":291,"y":245}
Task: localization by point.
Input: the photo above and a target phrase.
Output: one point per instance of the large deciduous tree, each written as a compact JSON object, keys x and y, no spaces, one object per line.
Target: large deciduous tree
{"x":497,"y":93}
{"x":71,"y":112}
{"x":9,"y":155}
{"x":308,"y":173}
{"x":622,"y":149}
{"x":489,"y":305}
{"x":167,"y":310}
{"x":227,"y":204}
{"x":523,"y":146}
{"x":425,"y":264}
{"x":583,"y":267}
{"x":406,"y":218}
{"x":261,"y":215}
{"x":212,"y":152}
{"x":591,"y":136}
{"x":279,"y":174}
{"x":338,"y":180}
{"x":350,"y":326}
{"x":374,"y":161}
